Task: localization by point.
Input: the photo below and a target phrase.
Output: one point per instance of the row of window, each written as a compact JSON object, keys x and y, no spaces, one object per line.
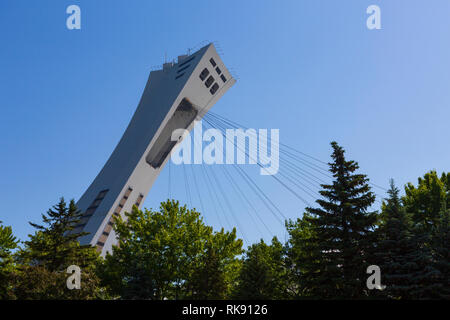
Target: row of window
{"x":186,"y":62}
{"x":218,"y":70}
{"x":104,"y":236}
{"x":183,"y":66}
{"x":180,"y":72}
{"x":106,"y":231}
{"x":139,"y":200}
{"x":210,"y":80}
{"x":90,"y":211}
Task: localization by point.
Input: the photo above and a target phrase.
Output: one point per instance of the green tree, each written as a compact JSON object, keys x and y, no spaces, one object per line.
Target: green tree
{"x":160,"y":253}
{"x":424,"y":202}
{"x":263,"y":274}
{"x":427,"y":204}
{"x":395,"y":248}
{"x":35,"y":282}
{"x":50,"y":251}
{"x":215,"y":274}
{"x":425,"y":277}
{"x":431,"y":280}
{"x":442,"y":253}
{"x":55,"y":244}
{"x":343,"y":232}
{"x":301,"y":256}
{"x":8,"y":242}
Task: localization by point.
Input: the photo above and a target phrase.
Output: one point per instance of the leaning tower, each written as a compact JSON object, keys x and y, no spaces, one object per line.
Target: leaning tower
{"x":173,"y":98}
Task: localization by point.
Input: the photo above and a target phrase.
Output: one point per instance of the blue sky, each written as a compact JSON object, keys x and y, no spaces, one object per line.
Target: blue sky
{"x":310,"y":68}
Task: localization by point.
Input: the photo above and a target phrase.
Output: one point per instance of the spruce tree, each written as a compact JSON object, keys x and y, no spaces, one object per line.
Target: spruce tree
{"x":442,"y":253}
{"x":8,"y":242}
{"x":431,"y":280}
{"x":395,"y":248}
{"x":343,"y":228}
{"x":50,"y":251}
{"x":55,"y":244}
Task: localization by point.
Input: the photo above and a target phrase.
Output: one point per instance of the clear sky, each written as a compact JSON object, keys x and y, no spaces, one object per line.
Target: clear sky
{"x":310,"y":68}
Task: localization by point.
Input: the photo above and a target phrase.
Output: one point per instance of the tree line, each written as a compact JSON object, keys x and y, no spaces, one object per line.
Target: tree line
{"x":171,"y":253}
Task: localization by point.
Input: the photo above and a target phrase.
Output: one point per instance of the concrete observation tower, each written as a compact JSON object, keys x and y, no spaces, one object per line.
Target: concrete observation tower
{"x":173,"y":98}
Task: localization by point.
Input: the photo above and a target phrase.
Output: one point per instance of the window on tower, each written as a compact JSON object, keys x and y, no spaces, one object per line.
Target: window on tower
{"x":209,"y":81}
{"x":204,"y":74}
{"x":186,"y":61}
{"x":214,"y":88}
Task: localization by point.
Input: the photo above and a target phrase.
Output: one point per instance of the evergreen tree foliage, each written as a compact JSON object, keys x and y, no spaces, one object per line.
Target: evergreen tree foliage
{"x":441,"y":245}
{"x":35,"y":282}
{"x":55,"y":245}
{"x":50,"y":251}
{"x":395,"y":248}
{"x":424,"y":281}
{"x":301,"y":256}
{"x":8,"y":242}
{"x":343,"y":231}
